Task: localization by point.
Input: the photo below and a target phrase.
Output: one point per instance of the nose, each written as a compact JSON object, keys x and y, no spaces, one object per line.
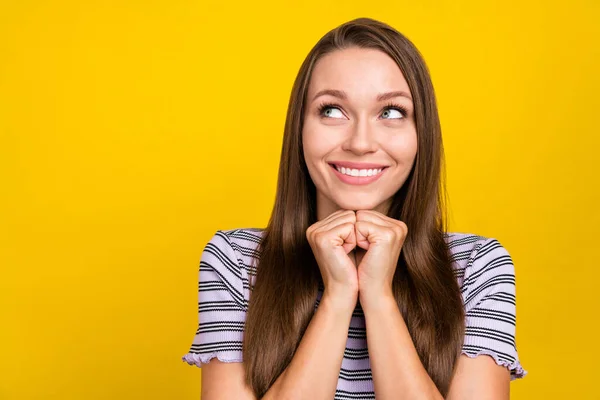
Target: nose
{"x":361,"y":138}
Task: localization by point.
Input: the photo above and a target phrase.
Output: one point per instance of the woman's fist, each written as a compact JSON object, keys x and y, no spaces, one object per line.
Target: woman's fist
{"x":331,"y":239}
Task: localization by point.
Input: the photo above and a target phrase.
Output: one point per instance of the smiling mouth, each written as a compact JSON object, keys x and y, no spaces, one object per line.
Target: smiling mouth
{"x":356,"y":172}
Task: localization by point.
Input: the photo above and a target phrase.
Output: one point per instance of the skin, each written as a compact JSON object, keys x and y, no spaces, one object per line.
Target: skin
{"x":357,"y":246}
{"x":357,"y":130}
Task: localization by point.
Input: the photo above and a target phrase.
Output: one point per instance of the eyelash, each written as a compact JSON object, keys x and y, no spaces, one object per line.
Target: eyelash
{"x":391,"y":105}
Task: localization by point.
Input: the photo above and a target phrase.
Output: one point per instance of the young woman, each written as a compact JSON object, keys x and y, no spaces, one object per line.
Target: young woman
{"x":355,"y":289}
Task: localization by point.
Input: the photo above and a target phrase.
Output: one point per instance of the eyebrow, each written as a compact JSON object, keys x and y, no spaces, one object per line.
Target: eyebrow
{"x":380,"y":97}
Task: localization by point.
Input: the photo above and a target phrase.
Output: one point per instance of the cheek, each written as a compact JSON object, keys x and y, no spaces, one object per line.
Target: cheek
{"x":404,"y":148}
{"x":312,"y":148}
{"x":317,"y":142}
{"x":312,"y":154}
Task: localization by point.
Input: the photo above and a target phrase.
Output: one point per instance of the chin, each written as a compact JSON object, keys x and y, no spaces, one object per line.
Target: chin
{"x":354,"y":204}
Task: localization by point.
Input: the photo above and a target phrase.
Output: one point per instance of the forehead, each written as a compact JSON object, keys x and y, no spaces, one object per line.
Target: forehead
{"x":357,"y":71}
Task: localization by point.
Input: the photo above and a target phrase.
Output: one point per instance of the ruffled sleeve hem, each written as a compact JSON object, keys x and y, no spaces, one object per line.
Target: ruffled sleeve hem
{"x":201,"y":359}
{"x":516,"y":370}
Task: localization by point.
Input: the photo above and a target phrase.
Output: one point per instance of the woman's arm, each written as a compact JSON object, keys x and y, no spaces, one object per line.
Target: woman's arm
{"x":397,"y":369}
{"x":395,"y":364}
{"x":314,"y":370}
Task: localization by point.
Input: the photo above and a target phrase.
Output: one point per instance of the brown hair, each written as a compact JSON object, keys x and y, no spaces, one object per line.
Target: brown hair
{"x":287,"y":281}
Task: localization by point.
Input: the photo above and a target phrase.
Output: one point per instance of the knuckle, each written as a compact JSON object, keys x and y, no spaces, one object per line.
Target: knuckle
{"x":310,"y":231}
{"x":319,"y":238}
{"x":390,"y":234}
{"x":403,"y":227}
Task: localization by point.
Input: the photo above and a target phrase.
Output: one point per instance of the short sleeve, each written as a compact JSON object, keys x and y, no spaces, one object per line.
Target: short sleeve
{"x":221,"y":305}
{"x":490,"y":304}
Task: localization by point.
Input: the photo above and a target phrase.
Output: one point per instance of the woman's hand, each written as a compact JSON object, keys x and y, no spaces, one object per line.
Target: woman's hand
{"x":382,"y":237}
{"x":331,"y":239}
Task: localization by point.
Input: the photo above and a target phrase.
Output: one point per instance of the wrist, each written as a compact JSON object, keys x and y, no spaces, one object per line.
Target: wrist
{"x":341,"y":300}
{"x":377,"y":298}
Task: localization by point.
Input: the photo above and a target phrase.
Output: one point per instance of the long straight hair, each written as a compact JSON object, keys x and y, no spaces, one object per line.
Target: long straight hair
{"x":424,"y":285}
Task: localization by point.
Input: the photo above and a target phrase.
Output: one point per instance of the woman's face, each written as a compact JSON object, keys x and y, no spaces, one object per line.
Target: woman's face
{"x":354,"y":123}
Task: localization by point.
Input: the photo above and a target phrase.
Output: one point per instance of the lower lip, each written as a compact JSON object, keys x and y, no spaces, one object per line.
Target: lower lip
{"x":357,"y":180}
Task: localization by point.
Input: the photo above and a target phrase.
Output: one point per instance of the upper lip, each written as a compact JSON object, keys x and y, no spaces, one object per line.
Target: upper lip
{"x":357,"y":165}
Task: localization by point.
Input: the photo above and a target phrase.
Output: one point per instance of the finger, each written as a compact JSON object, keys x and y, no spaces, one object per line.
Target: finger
{"x":379,"y":219}
{"x":331,"y":217}
{"x":341,"y":218}
{"x":365,"y":230}
{"x":372,"y":216}
{"x":347,"y":234}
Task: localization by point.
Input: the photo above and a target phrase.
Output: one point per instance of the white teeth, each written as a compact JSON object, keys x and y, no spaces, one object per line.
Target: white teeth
{"x":358,"y":172}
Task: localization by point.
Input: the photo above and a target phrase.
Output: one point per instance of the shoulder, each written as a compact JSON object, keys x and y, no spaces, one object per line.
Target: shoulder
{"x":223,"y":295}
{"x":248,"y":238}
{"x":242,"y":242}
{"x":478,"y":260}
{"x":486,"y":276}
{"x":233,"y":254}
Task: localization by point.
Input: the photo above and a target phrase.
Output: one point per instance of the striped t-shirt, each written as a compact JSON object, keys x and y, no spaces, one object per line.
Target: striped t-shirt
{"x":483,"y":268}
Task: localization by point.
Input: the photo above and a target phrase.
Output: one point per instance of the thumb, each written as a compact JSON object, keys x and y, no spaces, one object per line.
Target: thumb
{"x":362,"y":234}
{"x":349,"y":237}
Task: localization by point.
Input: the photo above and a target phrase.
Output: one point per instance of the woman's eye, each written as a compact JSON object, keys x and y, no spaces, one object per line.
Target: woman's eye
{"x":332,"y":112}
{"x":392,"y":113}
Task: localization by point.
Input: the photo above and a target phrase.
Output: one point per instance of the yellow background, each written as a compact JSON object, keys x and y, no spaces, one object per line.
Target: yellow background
{"x":132,"y":130}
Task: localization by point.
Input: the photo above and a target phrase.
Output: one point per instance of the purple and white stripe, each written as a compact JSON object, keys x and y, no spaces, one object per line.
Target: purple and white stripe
{"x":483,"y":268}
